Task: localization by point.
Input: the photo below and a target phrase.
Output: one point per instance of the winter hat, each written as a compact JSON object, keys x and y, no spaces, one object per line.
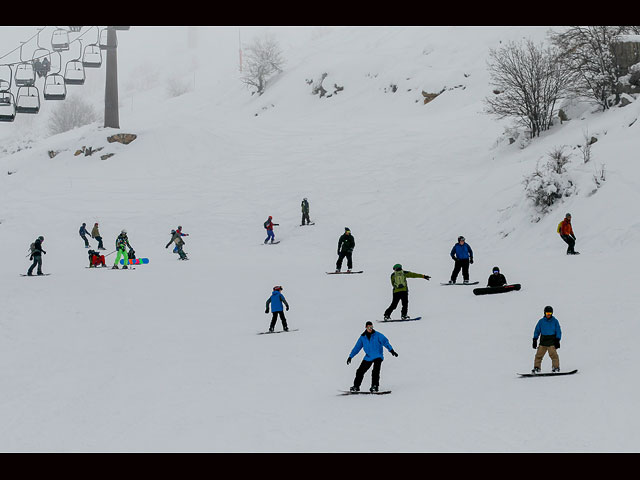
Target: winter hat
{"x":347,"y":229}
{"x":278,"y":287}
{"x":368,"y":323}
{"x":397,"y":266}
{"x":496,"y":269}
{"x":548,"y":308}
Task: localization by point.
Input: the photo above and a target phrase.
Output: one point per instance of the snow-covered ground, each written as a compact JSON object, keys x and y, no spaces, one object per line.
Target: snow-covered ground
{"x":166,"y":357}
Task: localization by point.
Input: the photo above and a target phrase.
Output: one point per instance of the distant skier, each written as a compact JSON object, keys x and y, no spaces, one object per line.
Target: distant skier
{"x":96,"y":260}
{"x":496,"y":279}
{"x":83,"y":233}
{"x":401,"y":290}
{"x":372,"y":342}
{"x":548,"y":329}
{"x":276,"y":300}
{"x":566,"y":233}
{"x":36,"y":255}
{"x":305,"y":211}
{"x":346,"y":244}
{"x":122,"y":243}
{"x":95,"y":233}
{"x":176,"y":237}
{"x":463,"y":256}
{"x":269,"y":227}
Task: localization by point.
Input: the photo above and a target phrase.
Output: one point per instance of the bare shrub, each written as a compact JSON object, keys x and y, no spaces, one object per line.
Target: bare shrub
{"x":71,"y":113}
{"x":262,"y":59}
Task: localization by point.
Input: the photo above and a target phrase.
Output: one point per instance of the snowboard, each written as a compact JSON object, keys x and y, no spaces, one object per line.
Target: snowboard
{"x":111,"y":268}
{"x":279,"y":331}
{"x":344,"y":273}
{"x":400,"y":320}
{"x":546,"y":374}
{"x":34,"y":275}
{"x":492,"y":290}
{"x":365,"y":392}
{"x":135,"y":261}
{"x":470,"y":283}
{"x":96,"y":268}
{"x":272,"y":243}
{"x":305,"y":224}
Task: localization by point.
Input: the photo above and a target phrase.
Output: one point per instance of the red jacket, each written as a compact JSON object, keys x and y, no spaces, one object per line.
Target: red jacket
{"x":565,"y":228}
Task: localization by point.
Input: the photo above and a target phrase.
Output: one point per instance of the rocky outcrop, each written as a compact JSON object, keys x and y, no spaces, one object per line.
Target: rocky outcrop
{"x":124,"y":138}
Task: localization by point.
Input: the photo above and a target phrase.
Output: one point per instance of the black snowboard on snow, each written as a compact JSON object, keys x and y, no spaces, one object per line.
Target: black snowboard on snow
{"x":271,"y":243}
{"x":468,"y":283}
{"x":492,"y":290}
{"x":279,"y":331}
{"x":401,"y":320}
{"x":344,"y":273}
{"x":304,"y":225}
{"x":547,"y":374}
{"x":365,"y":392}
{"x":34,"y":275}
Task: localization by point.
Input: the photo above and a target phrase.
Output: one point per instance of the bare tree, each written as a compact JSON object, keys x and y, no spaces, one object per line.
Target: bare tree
{"x":72,"y":113}
{"x":528,"y":82}
{"x":263,"y":58}
{"x":587,"y":52}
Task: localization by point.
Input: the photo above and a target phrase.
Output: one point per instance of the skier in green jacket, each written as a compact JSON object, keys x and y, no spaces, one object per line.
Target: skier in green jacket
{"x":401,"y":290}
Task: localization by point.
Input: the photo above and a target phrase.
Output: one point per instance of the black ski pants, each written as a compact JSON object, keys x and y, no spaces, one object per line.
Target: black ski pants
{"x":274,"y":319}
{"x":461,"y":264}
{"x":362,"y":369}
{"x":86,"y":242}
{"x":341,"y":256}
{"x":305,"y":216}
{"x":37,"y":261}
{"x":99,"y":239}
{"x":570,"y":241}
{"x":397,"y":297}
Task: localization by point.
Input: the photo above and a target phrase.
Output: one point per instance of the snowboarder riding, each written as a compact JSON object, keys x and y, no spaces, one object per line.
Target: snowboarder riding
{"x":95,"y":233}
{"x":548,"y":329}
{"x":462,"y":254}
{"x":401,"y":290}
{"x":372,"y":342}
{"x":122,"y":243}
{"x":276,"y":300}
{"x":496,"y":279}
{"x":176,"y":237}
{"x":36,"y":255}
{"x":268,"y":225}
{"x":83,"y":233}
{"x":566,"y":233}
{"x":305,"y":211}
{"x":346,"y":244}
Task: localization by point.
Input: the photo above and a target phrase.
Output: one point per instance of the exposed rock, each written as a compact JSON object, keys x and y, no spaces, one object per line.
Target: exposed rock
{"x":108,"y":155}
{"x":52,"y":153}
{"x":428,"y":97}
{"x":124,"y":138}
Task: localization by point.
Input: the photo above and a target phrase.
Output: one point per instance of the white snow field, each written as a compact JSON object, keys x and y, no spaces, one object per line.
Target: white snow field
{"x":166,"y":357}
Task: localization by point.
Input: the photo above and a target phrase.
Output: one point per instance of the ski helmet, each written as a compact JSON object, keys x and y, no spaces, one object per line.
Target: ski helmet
{"x":278,"y":288}
{"x":568,"y":215}
{"x":548,"y":309}
{"x":41,"y":238}
{"x":397,"y":267}
{"x":124,"y":230}
{"x":461,"y":238}
{"x":496,"y":269}
{"x":179,"y":227}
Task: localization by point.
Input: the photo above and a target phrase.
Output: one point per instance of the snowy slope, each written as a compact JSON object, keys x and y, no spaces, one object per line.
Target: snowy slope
{"x":166,"y":357}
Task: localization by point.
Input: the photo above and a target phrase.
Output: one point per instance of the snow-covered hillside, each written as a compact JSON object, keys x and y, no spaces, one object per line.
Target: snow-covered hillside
{"x":166,"y":357}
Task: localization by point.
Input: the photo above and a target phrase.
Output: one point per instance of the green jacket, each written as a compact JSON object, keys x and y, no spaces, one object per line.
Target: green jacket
{"x":305,"y":206}
{"x":399,"y":280}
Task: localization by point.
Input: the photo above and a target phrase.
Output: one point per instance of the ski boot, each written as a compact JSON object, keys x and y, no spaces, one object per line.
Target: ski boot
{"x":535,"y":370}
{"x":465,"y":281}
{"x":337,"y":270}
{"x":348,"y":270}
{"x":555,"y":370}
{"x":354,"y":389}
{"x":386,"y":317}
{"x":405,"y":317}
{"x":451,"y":282}
{"x":270,"y":329}
{"x":373,"y":389}
{"x":286,"y":329}
{"x":125,"y":267}
{"x":115,"y":267}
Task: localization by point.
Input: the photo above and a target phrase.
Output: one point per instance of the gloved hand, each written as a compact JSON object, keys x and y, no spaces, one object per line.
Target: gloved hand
{"x":349,"y":361}
{"x":44,"y":252}
{"x":471,"y":260}
{"x":393,"y":352}
{"x":31,"y":257}
{"x":557,"y":344}
{"x":287,"y":307}
{"x":427,"y":277}
{"x":266,"y":311}
{"x":535,"y":343}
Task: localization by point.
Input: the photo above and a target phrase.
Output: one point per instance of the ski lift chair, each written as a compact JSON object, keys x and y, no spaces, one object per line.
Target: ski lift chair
{"x":75,"y":29}
{"x":74,"y":73}
{"x":40,"y":66}
{"x":54,"y":87}
{"x":28,"y":100}
{"x":25,"y":75}
{"x":60,"y":40}
{"x":7,"y":107}
{"x":92,"y":56}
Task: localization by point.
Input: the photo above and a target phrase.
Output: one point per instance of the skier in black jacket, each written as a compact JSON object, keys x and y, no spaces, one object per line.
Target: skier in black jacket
{"x":496,"y":279}
{"x":346,"y":244}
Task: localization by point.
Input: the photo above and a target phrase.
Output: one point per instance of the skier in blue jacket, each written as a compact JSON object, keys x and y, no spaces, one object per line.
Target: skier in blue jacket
{"x":276,"y":300}
{"x":372,"y":342}
{"x":463,"y":256}
{"x":548,"y":329}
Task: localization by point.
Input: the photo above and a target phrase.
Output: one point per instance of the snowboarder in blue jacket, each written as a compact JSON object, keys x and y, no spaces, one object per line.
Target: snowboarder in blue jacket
{"x":372,"y":343}
{"x":276,"y":300}
{"x":83,"y":233}
{"x":462,"y":254}
{"x":548,"y":329}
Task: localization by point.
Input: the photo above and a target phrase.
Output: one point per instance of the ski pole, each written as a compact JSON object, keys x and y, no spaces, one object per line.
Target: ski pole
{"x":110,"y":253}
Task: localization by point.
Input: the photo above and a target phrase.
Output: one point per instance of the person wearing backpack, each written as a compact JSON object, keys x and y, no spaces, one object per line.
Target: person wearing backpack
{"x":122,"y":243}
{"x":176,"y":237}
{"x":276,"y":300}
{"x":305,"y":211}
{"x":268,"y":225}
{"x":36,"y":255}
{"x":95,"y":233}
{"x":565,"y":230}
{"x":83,"y":233}
{"x":401,"y":290}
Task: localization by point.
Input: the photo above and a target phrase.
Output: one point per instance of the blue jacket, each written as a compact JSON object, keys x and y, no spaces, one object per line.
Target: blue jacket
{"x":276,"y":300}
{"x":461,"y":252}
{"x":83,"y":230}
{"x":372,"y":346}
{"x":546,"y":326}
